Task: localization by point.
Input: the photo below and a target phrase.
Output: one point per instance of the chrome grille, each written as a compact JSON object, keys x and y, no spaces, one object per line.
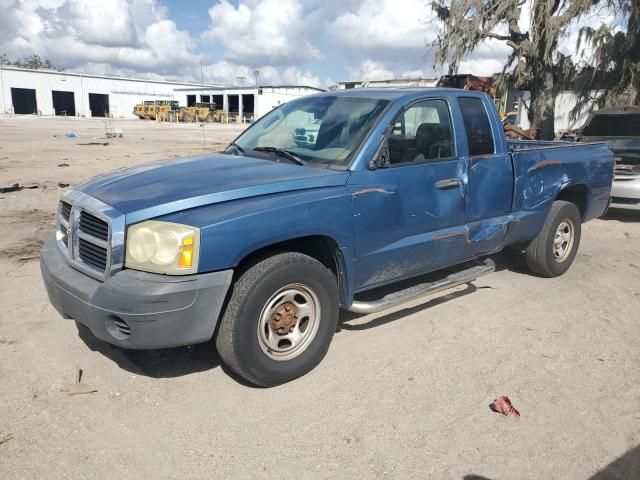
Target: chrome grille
{"x":84,"y":238}
{"x":65,"y":210}
{"x":92,"y":225}
{"x":94,"y":255}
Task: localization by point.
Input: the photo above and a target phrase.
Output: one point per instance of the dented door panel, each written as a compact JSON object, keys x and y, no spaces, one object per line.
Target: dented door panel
{"x":404,"y":224}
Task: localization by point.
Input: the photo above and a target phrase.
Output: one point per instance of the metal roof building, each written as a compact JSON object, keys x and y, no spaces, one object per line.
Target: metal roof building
{"x":50,"y":92}
{"x":390,"y":83}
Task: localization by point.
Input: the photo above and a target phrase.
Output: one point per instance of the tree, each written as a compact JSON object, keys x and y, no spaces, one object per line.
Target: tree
{"x":33,"y":61}
{"x":534,"y":63}
{"x":610,"y":75}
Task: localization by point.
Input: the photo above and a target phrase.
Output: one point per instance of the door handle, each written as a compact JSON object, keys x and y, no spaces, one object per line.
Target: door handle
{"x":448,"y":183}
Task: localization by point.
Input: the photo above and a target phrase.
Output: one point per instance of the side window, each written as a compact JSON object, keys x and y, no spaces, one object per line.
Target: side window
{"x":421,"y":133}
{"x":476,"y":123}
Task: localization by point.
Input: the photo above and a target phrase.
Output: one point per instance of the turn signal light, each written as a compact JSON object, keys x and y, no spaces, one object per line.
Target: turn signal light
{"x":186,"y":253}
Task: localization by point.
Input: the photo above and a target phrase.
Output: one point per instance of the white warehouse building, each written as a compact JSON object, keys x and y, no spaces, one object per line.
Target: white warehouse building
{"x":50,"y":92}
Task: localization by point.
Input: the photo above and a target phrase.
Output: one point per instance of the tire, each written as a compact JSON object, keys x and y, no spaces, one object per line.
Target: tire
{"x":255,"y":328}
{"x":563,"y":223}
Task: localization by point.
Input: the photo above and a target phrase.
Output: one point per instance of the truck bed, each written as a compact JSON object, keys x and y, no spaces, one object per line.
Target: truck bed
{"x":542,"y":169}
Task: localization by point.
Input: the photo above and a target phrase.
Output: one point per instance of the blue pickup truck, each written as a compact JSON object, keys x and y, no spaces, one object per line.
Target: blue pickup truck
{"x":260,"y":246}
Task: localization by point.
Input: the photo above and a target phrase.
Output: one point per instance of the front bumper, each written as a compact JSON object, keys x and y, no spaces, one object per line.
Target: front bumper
{"x":159,"y":310}
{"x":625,"y":192}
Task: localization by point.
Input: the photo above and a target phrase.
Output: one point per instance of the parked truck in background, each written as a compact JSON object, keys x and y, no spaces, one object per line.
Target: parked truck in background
{"x":259,"y":247}
{"x":619,"y":127}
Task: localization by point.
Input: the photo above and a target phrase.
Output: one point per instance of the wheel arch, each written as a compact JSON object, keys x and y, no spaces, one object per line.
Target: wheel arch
{"x":323,"y":248}
{"x":578,"y":194}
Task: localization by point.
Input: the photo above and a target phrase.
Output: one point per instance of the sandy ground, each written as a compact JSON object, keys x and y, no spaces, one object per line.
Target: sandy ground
{"x":403,"y":394}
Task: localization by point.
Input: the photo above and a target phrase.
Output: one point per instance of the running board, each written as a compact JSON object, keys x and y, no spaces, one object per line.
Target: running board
{"x":413,"y":293}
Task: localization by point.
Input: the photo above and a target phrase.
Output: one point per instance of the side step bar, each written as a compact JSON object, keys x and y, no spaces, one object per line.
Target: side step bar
{"x":413,"y":293}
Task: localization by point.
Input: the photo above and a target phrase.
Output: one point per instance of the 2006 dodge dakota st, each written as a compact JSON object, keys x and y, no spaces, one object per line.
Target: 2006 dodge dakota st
{"x":325,"y":198}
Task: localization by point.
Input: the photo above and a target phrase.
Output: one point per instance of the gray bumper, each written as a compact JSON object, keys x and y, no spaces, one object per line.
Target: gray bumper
{"x":625,"y":192}
{"x":160,"y":311}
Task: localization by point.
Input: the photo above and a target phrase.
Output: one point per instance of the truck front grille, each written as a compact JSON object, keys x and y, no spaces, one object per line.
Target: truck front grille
{"x":93,"y":255}
{"x":92,"y":225}
{"x":85,"y":239}
{"x":65,"y":210}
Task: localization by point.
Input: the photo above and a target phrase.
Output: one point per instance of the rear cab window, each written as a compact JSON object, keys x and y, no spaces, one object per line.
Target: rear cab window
{"x":477,"y":126}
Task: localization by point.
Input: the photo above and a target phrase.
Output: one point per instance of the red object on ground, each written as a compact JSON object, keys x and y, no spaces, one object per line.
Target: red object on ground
{"x":504,"y":406}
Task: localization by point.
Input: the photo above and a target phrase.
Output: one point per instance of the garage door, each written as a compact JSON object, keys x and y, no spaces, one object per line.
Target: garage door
{"x":64,"y":103}
{"x":99,"y":104}
{"x":24,"y":100}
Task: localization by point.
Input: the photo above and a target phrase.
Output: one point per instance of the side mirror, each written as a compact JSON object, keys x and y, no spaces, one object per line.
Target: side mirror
{"x":381,"y":158}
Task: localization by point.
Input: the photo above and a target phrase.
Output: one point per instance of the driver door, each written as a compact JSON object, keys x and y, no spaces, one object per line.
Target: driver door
{"x":410,"y":216}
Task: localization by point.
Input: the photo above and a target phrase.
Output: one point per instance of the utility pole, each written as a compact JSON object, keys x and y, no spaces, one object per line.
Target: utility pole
{"x":241,"y":80}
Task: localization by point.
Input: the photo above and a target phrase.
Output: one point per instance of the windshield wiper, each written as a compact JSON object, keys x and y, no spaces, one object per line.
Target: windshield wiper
{"x":238,"y":149}
{"x":283,"y":153}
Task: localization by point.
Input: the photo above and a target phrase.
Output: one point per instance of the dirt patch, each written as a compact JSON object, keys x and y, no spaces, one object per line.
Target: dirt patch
{"x":24,"y":251}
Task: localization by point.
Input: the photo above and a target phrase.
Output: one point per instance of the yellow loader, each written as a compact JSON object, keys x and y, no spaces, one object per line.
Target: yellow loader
{"x":200,"y":112}
{"x":163,"y":107}
{"x":140,"y":110}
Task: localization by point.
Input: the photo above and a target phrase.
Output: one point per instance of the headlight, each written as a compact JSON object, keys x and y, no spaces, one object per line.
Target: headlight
{"x":163,"y":247}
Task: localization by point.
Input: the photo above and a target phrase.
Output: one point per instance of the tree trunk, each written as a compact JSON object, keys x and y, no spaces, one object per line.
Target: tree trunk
{"x":542,"y":112}
{"x":633,"y":39}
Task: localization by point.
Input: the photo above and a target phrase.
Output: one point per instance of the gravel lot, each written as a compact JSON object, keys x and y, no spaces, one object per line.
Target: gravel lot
{"x":403,"y":394}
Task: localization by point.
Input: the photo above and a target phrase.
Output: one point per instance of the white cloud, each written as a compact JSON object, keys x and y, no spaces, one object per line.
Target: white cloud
{"x":230,"y":73}
{"x":386,"y":29}
{"x":273,"y":32}
{"x":372,"y":70}
{"x":103,"y":23}
{"x":128,"y":35}
{"x":413,"y":74}
{"x":294,"y":76}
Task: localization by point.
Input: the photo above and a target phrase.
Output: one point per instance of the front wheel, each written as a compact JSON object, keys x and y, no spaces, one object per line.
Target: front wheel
{"x":552,"y":252}
{"x":280,"y":319}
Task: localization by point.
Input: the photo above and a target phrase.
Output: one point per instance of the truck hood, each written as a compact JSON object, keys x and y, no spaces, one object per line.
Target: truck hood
{"x":158,"y":188}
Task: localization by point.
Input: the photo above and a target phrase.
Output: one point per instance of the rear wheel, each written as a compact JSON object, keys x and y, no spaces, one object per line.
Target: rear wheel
{"x":280,"y":319}
{"x":552,"y":252}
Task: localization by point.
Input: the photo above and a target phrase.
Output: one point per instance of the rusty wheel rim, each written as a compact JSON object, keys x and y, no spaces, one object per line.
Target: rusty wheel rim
{"x":289,"y":322}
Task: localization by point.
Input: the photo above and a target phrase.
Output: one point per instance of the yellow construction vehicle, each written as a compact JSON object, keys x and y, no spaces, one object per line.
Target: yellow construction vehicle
{"x":200,"y":112}
{"x":140,"y":109}
{"x":150,"y":110}
{"x":163,"y":107}
{"x":159,"y":108}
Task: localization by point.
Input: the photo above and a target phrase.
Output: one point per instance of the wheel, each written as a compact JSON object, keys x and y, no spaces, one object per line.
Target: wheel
{"x":280,"y":319}
{"x":552,"y":252}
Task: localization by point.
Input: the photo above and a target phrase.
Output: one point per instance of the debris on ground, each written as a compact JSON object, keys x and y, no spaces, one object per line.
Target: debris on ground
{"x":16,"y":187}
{"x":77,"y":388}
{"x":515,"y":133}
{"x":6,"y":438}
{"x":71,"y":135}
{"x":504,"y":406}
{"x":63,"y":164}
{"x":63,"y":185}
{"x":104,"y":144}
{"x":24,"y":251}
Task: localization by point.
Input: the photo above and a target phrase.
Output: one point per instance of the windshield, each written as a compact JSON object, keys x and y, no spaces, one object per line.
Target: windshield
{"x":324,"y":130}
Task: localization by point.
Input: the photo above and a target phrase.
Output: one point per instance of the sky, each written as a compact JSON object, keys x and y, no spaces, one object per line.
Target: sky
{"x":301,"y":42}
